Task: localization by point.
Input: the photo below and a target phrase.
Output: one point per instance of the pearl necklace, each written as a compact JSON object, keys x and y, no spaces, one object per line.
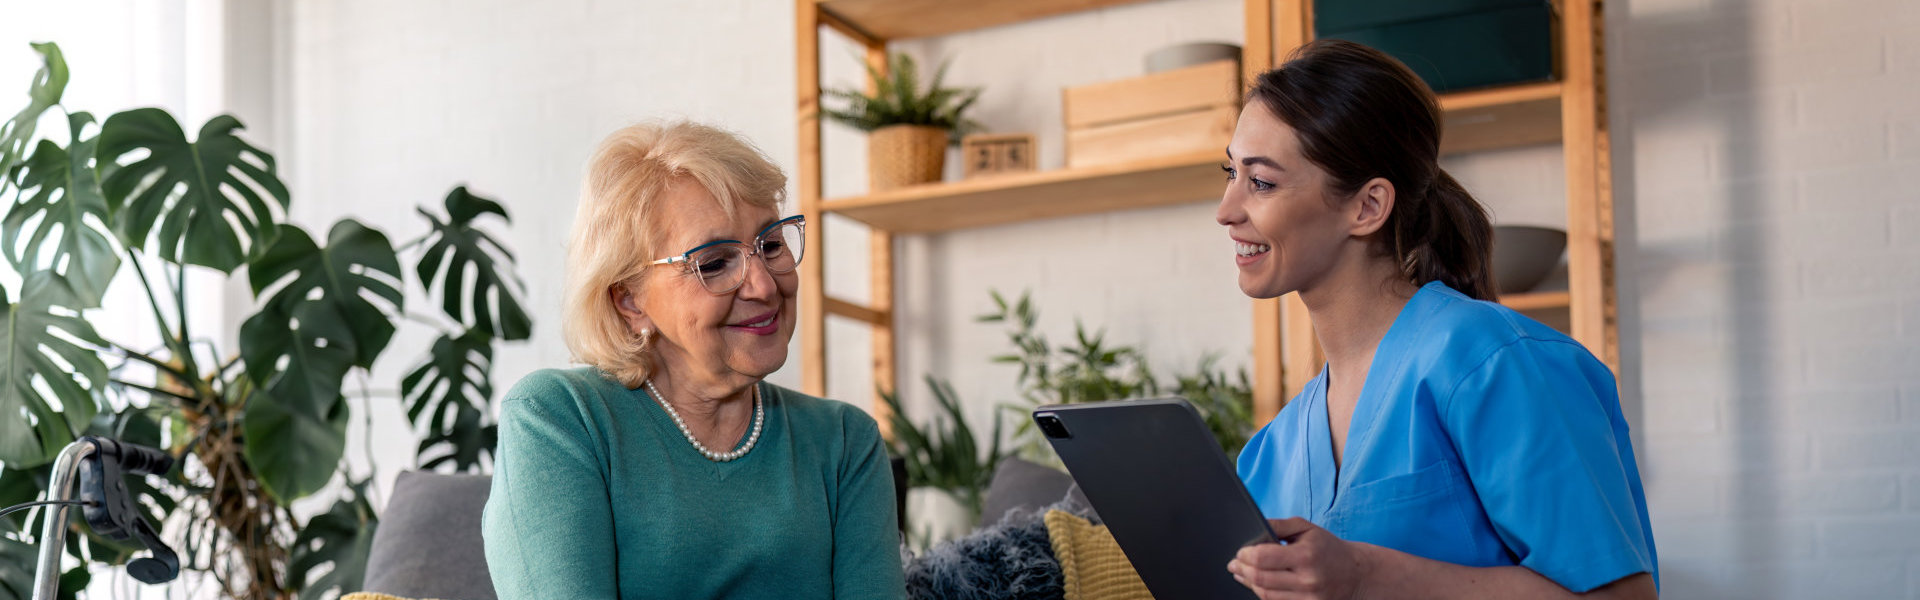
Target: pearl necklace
{"x":759,"y":418}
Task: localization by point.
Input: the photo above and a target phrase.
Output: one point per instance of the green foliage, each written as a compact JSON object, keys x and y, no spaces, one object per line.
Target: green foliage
{"x":182,"y":193}
{"x":339,"y":539}
{"x":266,"y":425}
{"x":453,"y":383}
{"x":460,"y":246}
{"x":40,"y":351}
{"x":1091,"y":370}
{"x":49,"y":82}
{"x":898,"y":100}
{"x":945,"y":454}
{"x":68,"y":217}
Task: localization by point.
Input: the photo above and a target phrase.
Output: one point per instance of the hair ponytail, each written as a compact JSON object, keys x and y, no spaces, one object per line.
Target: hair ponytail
{"x":1360,"y":114}
{"x":1446,"y":238}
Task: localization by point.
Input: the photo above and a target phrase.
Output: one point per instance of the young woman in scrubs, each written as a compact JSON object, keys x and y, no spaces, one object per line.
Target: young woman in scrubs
{"x":1452,"y":448}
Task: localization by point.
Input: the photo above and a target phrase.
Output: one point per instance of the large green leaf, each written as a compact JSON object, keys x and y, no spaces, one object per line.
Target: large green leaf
{"x":491,"y":302}
{"x":290,"y":354}
{"x":60,"y":200}
{"x":164,"y":189}
{"x":48,"y":84}
{"x":40,"y":353}
{"x":451,"y":391}
{"x":16,"y":569}
{"x":17,"y":561}
{"x":292,"y":448}
{"x":357,"y":267}
{"x":342,"y":538}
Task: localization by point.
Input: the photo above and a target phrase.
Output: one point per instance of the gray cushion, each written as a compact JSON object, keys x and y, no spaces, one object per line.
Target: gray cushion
{"x":428,"y":544}
{"x":1024,"y":485}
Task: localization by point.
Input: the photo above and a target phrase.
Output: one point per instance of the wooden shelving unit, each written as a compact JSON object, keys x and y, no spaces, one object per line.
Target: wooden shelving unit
{"x":1538,"y":301}
{"x":1039,"y":195}
{"x":1569,"y":111}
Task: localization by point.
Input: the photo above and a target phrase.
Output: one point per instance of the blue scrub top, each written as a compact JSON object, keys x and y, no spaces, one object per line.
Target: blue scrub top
{"x":1481,"y":438}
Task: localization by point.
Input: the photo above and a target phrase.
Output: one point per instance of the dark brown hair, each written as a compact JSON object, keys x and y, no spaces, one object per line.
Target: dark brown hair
{"x":1360,"y":114}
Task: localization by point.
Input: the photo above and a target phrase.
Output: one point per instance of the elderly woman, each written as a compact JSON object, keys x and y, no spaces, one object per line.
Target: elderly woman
{"x":667,"y":467}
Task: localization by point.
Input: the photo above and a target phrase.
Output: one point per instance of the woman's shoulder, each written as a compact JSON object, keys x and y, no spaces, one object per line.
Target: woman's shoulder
{"x":560,"y":388}
{"x":1458,"y":335}
{"x":1464,"y":326}
{"x":1460,"y":338}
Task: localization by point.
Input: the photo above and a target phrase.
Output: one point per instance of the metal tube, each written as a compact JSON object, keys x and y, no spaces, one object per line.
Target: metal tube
{"x":53,"y":537}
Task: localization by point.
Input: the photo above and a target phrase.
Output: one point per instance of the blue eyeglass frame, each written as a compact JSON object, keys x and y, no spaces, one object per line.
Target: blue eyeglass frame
{"x":752,"y":249}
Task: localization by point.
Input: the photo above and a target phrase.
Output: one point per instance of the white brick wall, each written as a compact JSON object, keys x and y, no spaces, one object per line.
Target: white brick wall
{"x":1773,"y":183}
{"x":1768,"y":156}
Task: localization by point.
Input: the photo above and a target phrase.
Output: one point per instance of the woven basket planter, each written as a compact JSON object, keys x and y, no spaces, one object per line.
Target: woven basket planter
{"x":903,"y":155}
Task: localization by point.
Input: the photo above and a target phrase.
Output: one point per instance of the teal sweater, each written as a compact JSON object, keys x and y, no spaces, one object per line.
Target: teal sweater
{"x":596,"y":494}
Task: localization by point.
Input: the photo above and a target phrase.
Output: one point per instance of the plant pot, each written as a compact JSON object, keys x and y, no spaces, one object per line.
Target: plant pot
{"x":904,"y":155}
{"x":934,"y":516}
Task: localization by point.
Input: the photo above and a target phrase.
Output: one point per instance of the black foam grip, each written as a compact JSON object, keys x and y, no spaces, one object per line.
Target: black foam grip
{"x":136,"y":459}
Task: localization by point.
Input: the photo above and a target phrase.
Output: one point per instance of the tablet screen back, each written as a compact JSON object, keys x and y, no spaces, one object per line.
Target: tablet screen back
{"x":1164,"y":489}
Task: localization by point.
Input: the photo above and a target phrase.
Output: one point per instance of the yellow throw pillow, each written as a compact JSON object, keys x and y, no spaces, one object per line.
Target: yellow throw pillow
{"x":1092,"y":562}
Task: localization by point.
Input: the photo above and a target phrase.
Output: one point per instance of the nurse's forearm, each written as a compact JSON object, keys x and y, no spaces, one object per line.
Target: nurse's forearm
{"x":1397,"y":574}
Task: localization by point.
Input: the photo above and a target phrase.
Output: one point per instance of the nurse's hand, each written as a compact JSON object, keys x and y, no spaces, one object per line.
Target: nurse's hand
{"x":1313,"y":564}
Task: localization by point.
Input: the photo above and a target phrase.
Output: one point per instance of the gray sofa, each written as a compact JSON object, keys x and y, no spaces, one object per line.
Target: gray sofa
{"x":428,"y":544}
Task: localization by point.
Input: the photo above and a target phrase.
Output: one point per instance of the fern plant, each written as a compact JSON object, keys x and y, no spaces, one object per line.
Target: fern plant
{"x":900,"y":100}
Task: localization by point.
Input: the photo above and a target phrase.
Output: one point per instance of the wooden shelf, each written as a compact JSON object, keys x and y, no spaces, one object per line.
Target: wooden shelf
{"x":906,"y":19}
{"x":1538,"y":300}
{"x":1502,"y":117}
{"x":1020,"y":197}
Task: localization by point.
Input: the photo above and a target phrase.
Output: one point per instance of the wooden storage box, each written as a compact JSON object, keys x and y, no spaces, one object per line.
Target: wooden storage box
{"x":1172,"y":112}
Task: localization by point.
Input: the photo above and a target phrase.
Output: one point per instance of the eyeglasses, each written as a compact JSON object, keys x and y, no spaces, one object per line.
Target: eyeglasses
{"x":721,"y":264}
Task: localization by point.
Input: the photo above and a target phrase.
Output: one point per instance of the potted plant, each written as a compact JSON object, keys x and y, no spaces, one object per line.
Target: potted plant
{"x":947,"y":475}
{"x":256,"y":426}
{"x":1090,"y":370}
{"x":909,"y":129}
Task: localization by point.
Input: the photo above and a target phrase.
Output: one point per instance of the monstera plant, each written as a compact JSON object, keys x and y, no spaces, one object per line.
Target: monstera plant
{"x":255,"y":426}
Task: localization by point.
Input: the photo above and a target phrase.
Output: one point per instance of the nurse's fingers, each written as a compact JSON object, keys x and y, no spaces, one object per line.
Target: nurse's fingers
{"x":1272,"y":580}
{"x":1265,"y":557}
{"x":1288,"y":529}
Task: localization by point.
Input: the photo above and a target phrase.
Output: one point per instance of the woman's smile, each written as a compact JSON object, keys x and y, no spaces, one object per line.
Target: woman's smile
{"x":766,"y":324}
{"x":1246,"y":252}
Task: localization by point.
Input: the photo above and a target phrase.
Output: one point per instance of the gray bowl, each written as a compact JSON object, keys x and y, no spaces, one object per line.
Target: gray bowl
{"x":1523,"y":256}
{"x":1187,"y":55}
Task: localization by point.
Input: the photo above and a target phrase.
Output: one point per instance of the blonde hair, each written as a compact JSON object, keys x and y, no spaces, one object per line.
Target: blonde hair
{"x":616,"y":232}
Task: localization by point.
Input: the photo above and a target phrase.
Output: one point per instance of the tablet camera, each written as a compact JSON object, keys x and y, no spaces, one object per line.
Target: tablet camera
{"x":1051,"y":425}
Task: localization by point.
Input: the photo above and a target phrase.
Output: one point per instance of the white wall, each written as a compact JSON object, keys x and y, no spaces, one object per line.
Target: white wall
{"x":1767,"y":150}
{"x":1765,"y":156}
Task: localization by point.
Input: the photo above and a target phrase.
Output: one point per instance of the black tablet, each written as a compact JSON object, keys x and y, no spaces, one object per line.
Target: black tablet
{"x":1163,"y":488}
